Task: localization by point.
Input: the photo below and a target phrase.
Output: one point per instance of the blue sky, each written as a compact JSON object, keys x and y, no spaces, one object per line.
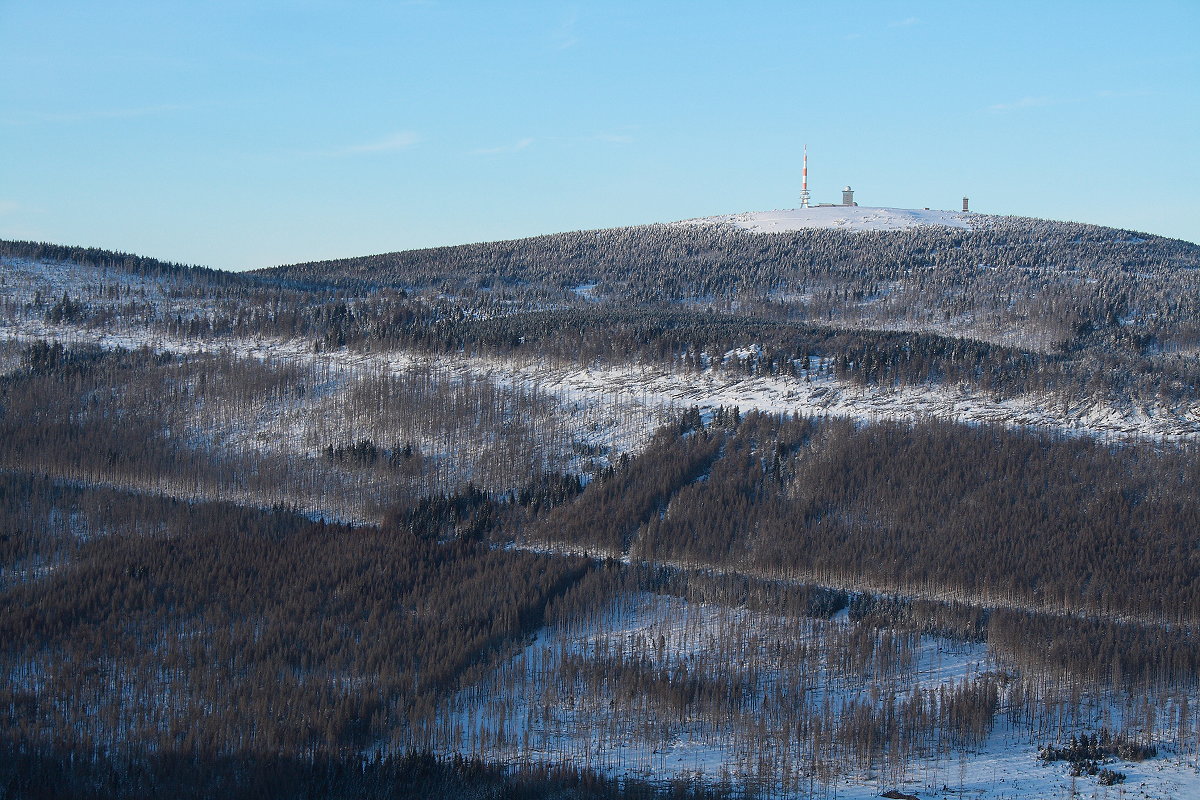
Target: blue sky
{"x":247,"y":134}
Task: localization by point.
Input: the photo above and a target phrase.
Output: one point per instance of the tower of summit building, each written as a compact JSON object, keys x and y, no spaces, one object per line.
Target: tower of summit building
{"x":806,"y":199}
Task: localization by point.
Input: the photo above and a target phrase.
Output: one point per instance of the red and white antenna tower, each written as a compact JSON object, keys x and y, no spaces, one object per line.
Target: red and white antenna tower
{"x":804,"y":181}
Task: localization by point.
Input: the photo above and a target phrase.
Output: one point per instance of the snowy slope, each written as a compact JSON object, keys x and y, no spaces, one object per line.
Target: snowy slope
{"x":849,"y":218}
{"x":652,"y":390}
{"x":521,"y":698}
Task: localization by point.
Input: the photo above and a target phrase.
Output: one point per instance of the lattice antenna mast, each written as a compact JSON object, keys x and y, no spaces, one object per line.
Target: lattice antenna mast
{"x":804,"y":180}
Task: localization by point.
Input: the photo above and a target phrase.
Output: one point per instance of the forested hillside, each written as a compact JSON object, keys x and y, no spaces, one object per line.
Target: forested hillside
{"x":1010,"y":305}
{"x":678,"y":510}
{"x":1058,"y":280}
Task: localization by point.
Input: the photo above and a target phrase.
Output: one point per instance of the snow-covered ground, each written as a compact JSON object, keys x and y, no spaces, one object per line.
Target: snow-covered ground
{"x":23,"y":278}
{"x":535,"y":709}
{"x":45,"y":282}
{"x":849,"y":218}
{"x":587,"y":291}
{"x":613,"y":406}
{"x":825,"y":395}
{"x":616,"y":407}
{"x":615,"y":392}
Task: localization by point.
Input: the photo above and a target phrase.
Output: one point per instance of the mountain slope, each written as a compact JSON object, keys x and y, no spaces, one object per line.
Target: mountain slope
{"x":803,"y":551}
{"x":1033,"y":283}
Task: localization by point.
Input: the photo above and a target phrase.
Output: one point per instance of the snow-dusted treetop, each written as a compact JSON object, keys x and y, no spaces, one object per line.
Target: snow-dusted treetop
{"x":851,"y":218}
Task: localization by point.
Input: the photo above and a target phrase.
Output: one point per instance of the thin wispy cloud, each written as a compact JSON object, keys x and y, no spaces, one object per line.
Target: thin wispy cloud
{"x":1025,"y":102}
{"x":907,"y":22}
{"x":614,"y":138}
{"x":8,"y":206}
{"x":89,"y":115}
{"x":1043,"y":102}
{"x":606,"y":137}
{"x":1108,"y":94}
{"x":401,"y":140}
{"x":515,"y":147}
{"x":564,"y":36}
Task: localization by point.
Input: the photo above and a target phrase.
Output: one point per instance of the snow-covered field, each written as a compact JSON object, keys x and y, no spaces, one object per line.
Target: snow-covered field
{"x":849,"y":218}
{"x":535,"y":707}
{"x":605,"y":393}
{"x":824,"y":395}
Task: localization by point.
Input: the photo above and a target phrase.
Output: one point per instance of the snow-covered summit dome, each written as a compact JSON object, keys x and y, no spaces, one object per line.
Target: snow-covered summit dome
{"x":851,"y":218}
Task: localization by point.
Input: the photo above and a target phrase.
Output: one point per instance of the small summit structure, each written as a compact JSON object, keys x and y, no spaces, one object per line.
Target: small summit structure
{"x":847,"y":192}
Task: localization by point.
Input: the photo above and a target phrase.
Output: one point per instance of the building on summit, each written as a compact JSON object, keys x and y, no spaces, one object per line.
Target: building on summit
{"x":847,"y":192}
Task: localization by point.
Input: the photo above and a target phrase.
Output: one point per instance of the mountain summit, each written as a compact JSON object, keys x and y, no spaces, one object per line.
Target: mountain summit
{"x":847,"y":218}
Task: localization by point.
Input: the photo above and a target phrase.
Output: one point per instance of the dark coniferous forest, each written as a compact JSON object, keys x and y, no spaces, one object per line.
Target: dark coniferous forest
{"x":672,"y":511}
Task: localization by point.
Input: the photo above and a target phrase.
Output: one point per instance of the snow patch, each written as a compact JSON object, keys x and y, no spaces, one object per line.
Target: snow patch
{"x":847,"y":218}
{"x":587,"y":291}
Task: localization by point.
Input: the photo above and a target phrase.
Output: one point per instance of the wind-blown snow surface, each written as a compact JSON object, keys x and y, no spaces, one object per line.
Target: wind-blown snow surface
{"x":849,"y":218}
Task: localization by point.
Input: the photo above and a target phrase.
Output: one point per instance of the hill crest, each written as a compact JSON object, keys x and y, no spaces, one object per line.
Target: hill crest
{"x":849,"y":218}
